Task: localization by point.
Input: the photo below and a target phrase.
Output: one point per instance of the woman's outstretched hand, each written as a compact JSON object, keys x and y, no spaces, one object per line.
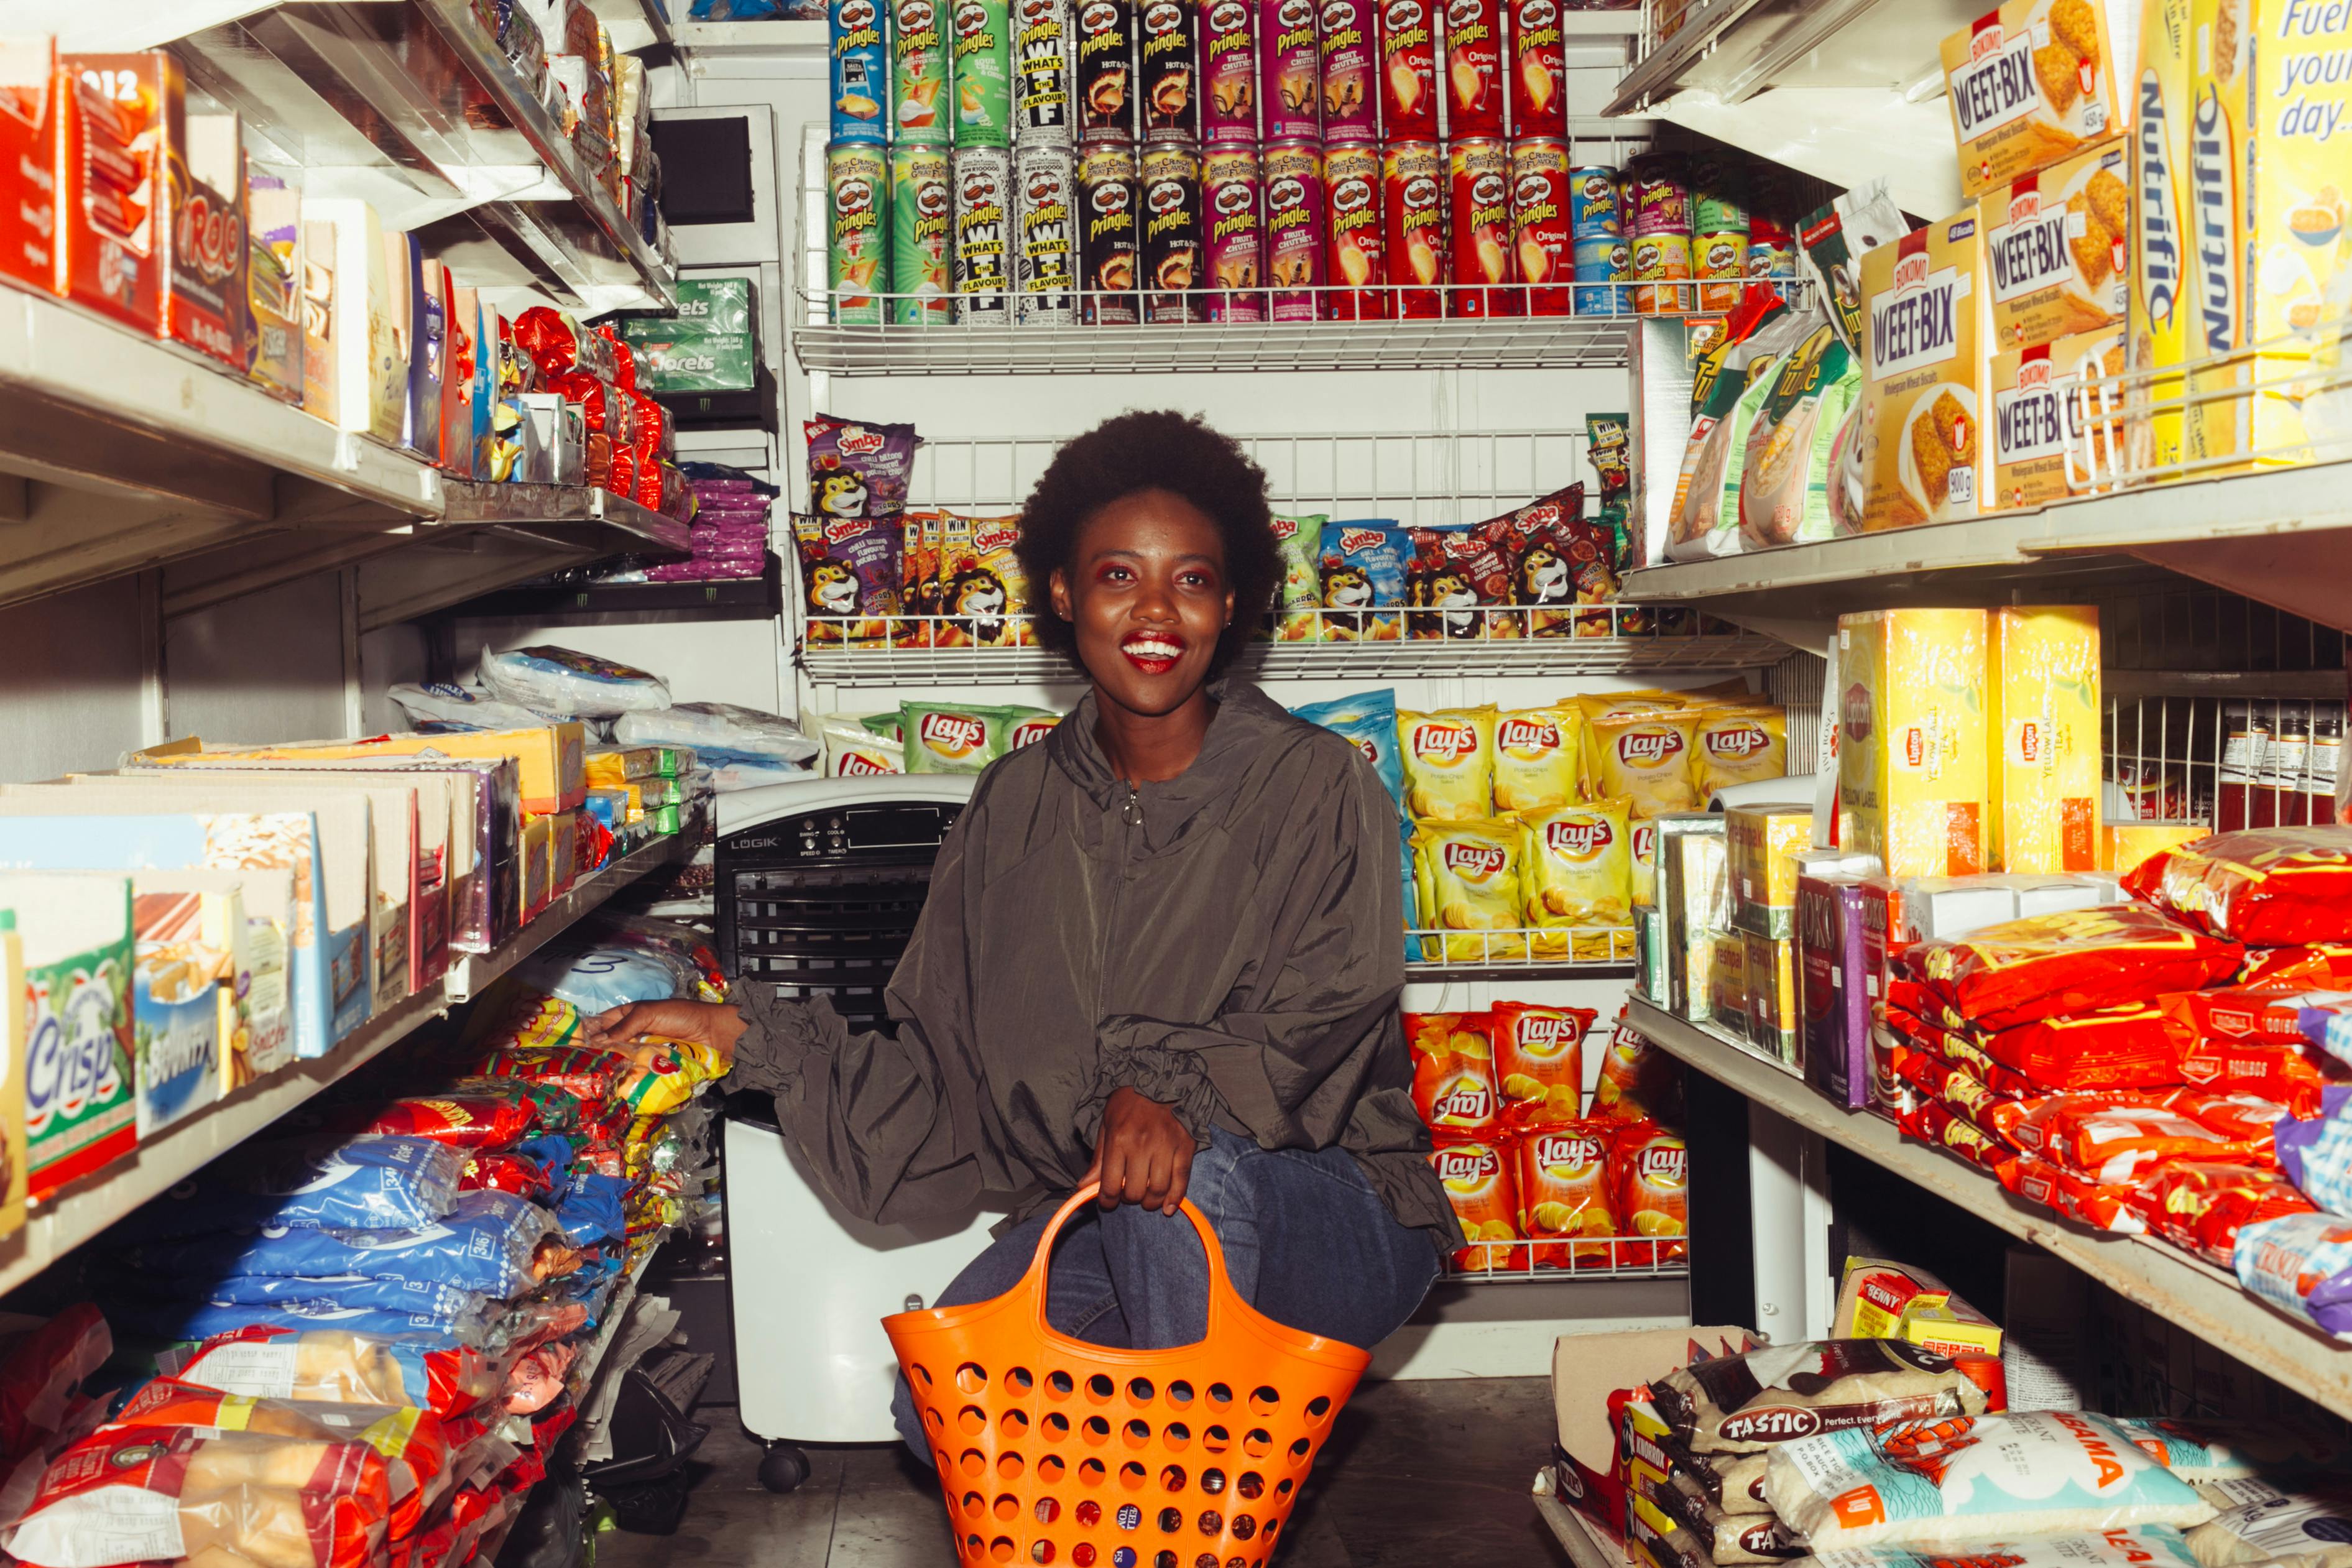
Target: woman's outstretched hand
{"x":713,"y":1024}
{"x":1142,"y":1155}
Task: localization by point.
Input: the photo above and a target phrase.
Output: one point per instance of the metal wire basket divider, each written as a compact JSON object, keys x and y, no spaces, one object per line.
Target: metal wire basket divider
{"x":2111,"y":419}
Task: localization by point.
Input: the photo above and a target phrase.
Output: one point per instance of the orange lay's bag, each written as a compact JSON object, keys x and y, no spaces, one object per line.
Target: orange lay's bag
{"x":1480,"y":1183}
{"x":1564,"y":1192}
{"x":1651,"y":1181}
{"x":1453,"y":1069}
{"x":1540,"y":1059}
{"x":1637,"y":1079}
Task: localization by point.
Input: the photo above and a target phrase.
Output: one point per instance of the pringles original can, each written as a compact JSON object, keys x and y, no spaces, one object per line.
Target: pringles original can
{"x":1538,"y":93}
{"x":1409,"y":69}
{"x":1229,"y":72}
{"x":857,"y":232}
{"x":1107,"y":208}
{"x":1594,"y":210}
{"x":860,"y":71}
{"x":1357,"y":266}
{"x":1345,"y":50}
{"x":918,"y":73}
{"x":1105,"y":35}
{"x":1478,"y":171}
{"x":1171,"y":105}
{"x":1412,"y":177}
{"x":1542,"y":197}
{"x":1170,"y":189}
{"x":922,"y":215}
{"x":1294,"y":227}
{"x":1233,"y":206}
{"x":1045,"y":255}
{"x":1042,"y":70}
{"x":1288,"y":73}
{"x":982,"y":181}
{"x":983,"y":73}
{"x":1473,"y":70}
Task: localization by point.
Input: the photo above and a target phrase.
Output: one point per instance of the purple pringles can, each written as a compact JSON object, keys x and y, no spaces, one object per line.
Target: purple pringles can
{"x":1347,"y":53}
{"x":1229,"y":72}
{"x":1233,"y":209}
{"x":1290,"y":93}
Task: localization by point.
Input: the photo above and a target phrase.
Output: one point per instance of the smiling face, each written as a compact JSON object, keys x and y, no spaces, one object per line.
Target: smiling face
{"x":1146,"y":592}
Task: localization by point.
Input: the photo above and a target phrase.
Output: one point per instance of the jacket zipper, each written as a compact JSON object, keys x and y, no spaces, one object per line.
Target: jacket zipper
{"x":1130,"y":812}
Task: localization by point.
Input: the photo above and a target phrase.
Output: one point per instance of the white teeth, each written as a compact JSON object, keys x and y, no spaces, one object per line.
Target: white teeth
{"x":1151,"y":648}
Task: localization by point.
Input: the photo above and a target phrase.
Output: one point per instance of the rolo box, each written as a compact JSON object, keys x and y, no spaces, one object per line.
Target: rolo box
{"x":2031,"y":82}
{"x":1929,"y":329}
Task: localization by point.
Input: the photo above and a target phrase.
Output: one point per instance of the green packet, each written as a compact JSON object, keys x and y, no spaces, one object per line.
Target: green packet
{"x":941,"y":738}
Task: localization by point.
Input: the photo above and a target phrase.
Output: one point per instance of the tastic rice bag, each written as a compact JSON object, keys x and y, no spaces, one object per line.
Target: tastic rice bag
{"x":2200,"y":1207}
{"x":337,"y":1365}
{"x":1453,"y":1069}
{"x":1468,"y":882}
{"x":1577,"y":873}
{"x":1539,"y":1060}
{"x":850,"y":568}
{"x":1565,"y":1191}
{"x":1646,"y":758}
{"x":1739,"y":743}
{"x":1364,"y":572}
{"x":857,"y":471}
{"x":2270,"y":887}
{"x":1369,"y":718}
{"x":2150,"y":1546}
{"x":1479,"y":1183}
{"x":2115,"y":1144}
{"x":1298,"y":541}
{"x":2071,"y":962}
{"x":1449,"y":763}
{"x":2300,"y":1529}
{"x":2302,"y":1263}
{"x":1744,"y":1404}
{"x":1539,"y":758}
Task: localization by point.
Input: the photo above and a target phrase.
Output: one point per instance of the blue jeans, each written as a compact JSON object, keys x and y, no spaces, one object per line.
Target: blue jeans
{"x":1306,"y":1242}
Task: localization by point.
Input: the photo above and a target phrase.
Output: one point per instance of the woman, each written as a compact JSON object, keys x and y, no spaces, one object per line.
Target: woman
{"x":1161,"y":951}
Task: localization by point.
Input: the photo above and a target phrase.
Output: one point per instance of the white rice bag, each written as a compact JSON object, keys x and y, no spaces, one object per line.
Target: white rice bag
{"x":458,"y":707}
{"x":2203,"y":1451}
{"x":2298,"y":1530}
{"x":720,"y":733}
{"x":1992,"y":1477}
{"x":564,"y":680}
{"x":2151,"y":1546}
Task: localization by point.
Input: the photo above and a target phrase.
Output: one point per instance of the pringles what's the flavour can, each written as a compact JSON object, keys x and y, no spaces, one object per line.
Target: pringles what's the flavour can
{"x":1346,"y":48}
{"x":919,"y":101}
{"x":983,"y":73}
{"x":922,"y":239}
{"x":1106,"y":58}
{"x":1108,"y":216}
{"x":1541,"y":247}
{"x":1041,"y":71}
{"x":1170,"y":190}
{"x":1289,"y":74}
{"x":1295,"y":228}
{"x":1172,"y":104}
{"x":860,"y":71}
{"x":858,"y":231}
{"x":1044,"y":257}
{"x":1412,"y":177}
{"x":1229,"y":72}
{"x":1409,"y":69}
{"x":1351,"y":202}
{"x":1233,"y":206}
{"x":1473,"y":70}
{"x":1537,"y":79}
{"x":982,"y":181}
{"x":1479,"y":172}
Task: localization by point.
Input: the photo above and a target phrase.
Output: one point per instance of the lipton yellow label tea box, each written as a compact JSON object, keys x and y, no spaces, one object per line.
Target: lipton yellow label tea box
{"x":2031,"y":82}
{"x":2270,"y":156}
{"x":1914,"y":740}
{"x":2046,"y":717}
{"x":2039,"y":400}
{"x":2058,"y":247}
{"x":2163,"y":291}
{"x":1923,"y":372}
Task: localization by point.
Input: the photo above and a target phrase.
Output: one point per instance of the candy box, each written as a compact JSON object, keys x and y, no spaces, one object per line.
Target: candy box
{"x":1726,"y":983}
{"x":2046,"y":719}
{"x":206,"y":276}
{"x":186,"y":944}
{"x":1923,"y":375}
{"x":71,"y":1106}
{"x":1833,"y":988}
{"x":2031,"y":82}
{"x":1769,"y":970}
{"x":275,"y":341}
{"x":2058,"y":247}
{"x":125,"y":116}
{"x":1694,"y":892}
{"x":1763,"y":842}
{"x":32,"y":121}
{"x":1913,"y":778}
{"x":363,"y":355}
{"x":2036,"y":419}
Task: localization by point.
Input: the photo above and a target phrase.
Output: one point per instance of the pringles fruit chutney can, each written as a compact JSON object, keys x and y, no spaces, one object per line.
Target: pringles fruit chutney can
{"x":1289,"y":73}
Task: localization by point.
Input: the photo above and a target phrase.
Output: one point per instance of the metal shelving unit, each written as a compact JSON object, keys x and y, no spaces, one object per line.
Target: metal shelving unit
{"x":1591,"y":1258}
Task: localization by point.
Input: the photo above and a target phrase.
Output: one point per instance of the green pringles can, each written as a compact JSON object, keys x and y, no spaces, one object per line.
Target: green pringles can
{"x":983,"y":73}
{"x":857,"y":229}
{"x":921,"y":225}
{"x":920,"y":103}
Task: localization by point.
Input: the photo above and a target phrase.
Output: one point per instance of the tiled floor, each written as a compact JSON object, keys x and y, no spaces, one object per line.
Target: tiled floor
{"x":1419,"y":1472}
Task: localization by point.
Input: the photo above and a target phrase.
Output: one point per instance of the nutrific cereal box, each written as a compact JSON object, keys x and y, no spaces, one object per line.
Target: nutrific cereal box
{"x":2058,"y":247}
{"x":2031,"y":82}
{"x":1923,"y":367}
{"x":1913,"y":739}
{"x":2162,"y":295}
{"x":2035,"y":412}
{"x":2046,"y":716}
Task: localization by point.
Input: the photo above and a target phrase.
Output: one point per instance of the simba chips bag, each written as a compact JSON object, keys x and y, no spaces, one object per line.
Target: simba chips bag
{"x":850,"y":571}
{"x":1453,"y":1069}
{"x":1539,"y":758}
{"x":1449,"y":763}
{"x":982,"y":592}
{"x":1468,"y":882}
{"x":1363,"y":570}
{"x":1539,"y":1060}
{"x":1577,"y":872}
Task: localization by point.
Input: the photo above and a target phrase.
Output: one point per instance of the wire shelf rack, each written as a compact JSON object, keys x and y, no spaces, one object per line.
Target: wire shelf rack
{"x":1528,"y":952}
{"x":2283,"y":402}
{"x":1551,"y":1262}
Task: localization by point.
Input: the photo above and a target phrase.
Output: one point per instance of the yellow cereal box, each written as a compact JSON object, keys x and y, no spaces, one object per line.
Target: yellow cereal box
{"x":1468,"y":879}
{"x":1758,"y":841}
{"x":2035,"y":412}
{"x":1577,"y":873}
{"x":1912,"y":740}
{"x":1768,"y":968}
{"x":2058,"y":247}
{"x":2270,"y":155}
{"x":2046,"y":718}
{"x":1449,"y":763}
{"x":1645,"y":757}
{"x":2163,"y":298}
{"x":1739,"y":744}
{"x":1922,"y":369}
{"x":2031,"y":82}
{"x":1539,"y":758}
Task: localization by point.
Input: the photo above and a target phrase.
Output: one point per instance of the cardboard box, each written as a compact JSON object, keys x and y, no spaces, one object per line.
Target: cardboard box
{"x":1586,"y":1369}
{"x":185,"y":946}
{"x":2163,"y":292}
{"x":2031,"y":83}
{"x":1886,"y":932}
{"x":275,"y":342}
{"x":1769,"y":968}
{"x":1914,"y":780}
{"x":1883,"y":1301}
{"x":363,"y":355}
{"x":1832,"y":994}
{"x":113,"y":190}
{"x":427,"y":341}
{"x":1693,"y":894}
{"x":538,"y":865}
{"x":1727,"y":983}
{"x":1763,"y":840}
{"x":2037,"y":416}
{"x":31,"y":141}
{"x":206,"y":277}
{"x":2058,"y":246}
{"x":2047,"y":714}
{"x":254,"y":1005}
{"x":550,"y":756}
{"x":78,"y":1109}
{"x":1923,"y":375}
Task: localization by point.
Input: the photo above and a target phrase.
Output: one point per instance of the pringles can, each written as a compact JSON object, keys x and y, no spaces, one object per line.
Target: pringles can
{"x":922,"y":240}
{"x":1473,"y":70}
{"x":1656,"y":199}
{"x":860,"y":71}
{"x":1409,"y":69}
{"x":1604,"y":273}
{"x":1719,"y":262}
{"x":1041,"y":71}
{"x":1662,"y":269}
{"x":982,"y":179}
{"x":857,"y":232}
{"x":1105,"y":35}
{"x":1233,"y":207}
{"x":1107,"y":260}
{"x":1540,"y":245}
{"x":1171,"y":105}
{"x":1770,"y":252}
{"x":1713,"y":208}
{"x":1478,"y":171}
{"x":1229,"y":72}
{"x":1412,"y":179}
{"x":1345,"y":51}
{"x":1357,"y":263}
{"x":1295,"y":228}
{"x":983,"y":73}
{"x":1170,"y":189}
{"x":1537,"y":96}
{"x":919,"y":74}
{"x":1593,"y":211}
{"x":1289,"y":74}
{"x":1045,"y":253}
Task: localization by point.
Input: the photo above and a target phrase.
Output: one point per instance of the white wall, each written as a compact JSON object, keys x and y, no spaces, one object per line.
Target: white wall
{"x":69,"y":681}
{"x":268,"y":667}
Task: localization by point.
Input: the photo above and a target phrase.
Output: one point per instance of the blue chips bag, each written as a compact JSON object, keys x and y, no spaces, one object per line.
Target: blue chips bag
{"x":590,"y":1208}
{"x":1370,"y":719}
{"x":367,"y":1183}
{"x":182,"y":1320}
{"x":485,"y":1243}
{"x":428,"y":1298}
{"x":1364,"y":567}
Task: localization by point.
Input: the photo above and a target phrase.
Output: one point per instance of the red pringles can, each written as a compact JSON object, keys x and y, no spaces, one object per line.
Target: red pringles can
{"x":1474,"y":69}
{"x":1346,"y":48}
{"x":1413,"y":180}
{"x":1356,"y":264}
{"x":1294,"y":227}
{"x":1478,"y":171}
{"x":1409,"y":69}
{"x":1229,"y":71}
{"x":1233,"y":208}
{"x":1537,"y":86}
{"x":1542,"y":208}
{"x":1288,"y":73}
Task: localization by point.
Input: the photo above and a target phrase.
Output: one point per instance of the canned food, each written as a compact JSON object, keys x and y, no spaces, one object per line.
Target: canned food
{"x":921,"y":216}
{"x":918,"y":75}
{"x":1713,"y":208}
{"x":1107,"y":244}
{"x":1474,"y":69}
{"x":983,"y":73}
{"x":1105,"y":32}
{"x":1044,"y":257}
{"x":1604,"y":272}
{"x":1409,"y":70}
{"x":1719,"y":262}
{"x":1288,"y":72}
{"x":1229,"y":71}
{"x":860,"y":71}
{"x":1662,"y":269}
{"x":1538,"y":91}
{"x":1357,"y":266}
{"x":1413,"y":180}
{"x":1656,"y":201}
{"x":1172,"y":110}
{"x":1540,"y":199}
{"x":1344,"y":49}
{"x":1294,"y":227}
{"x":1478,"y":173}
{"x":982,"y":178}
{"x":1170,"y":189}
{"x":1041,"y":61}
{"x":1592,"y":208}
{"x":1232,"y":198}
{"x":857,"y":232}
{"x":1770,"y":252}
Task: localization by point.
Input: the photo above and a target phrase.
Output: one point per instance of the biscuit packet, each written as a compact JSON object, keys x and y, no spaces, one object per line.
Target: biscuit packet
{"x":1577,"y":876}
{"x":1449,"y":763}
{"x":1539,"y":758}
{"x":1647,"y":758}
{"x":1468,"y":882}
{"x":1298,"y":541}
{"x":1739,"y":744}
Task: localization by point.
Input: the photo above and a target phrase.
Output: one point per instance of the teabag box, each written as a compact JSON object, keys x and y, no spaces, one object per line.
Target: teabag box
{"x":68,"y":1107}
{"x":1914,"y":781}
{"x":2047,"y":716}
{"x":1929,"y":334}
{"x":2032,"y":81}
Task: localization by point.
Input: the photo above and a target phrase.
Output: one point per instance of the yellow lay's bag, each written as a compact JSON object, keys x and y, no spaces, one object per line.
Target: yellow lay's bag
{"x":1577,"y":876}
{"x":1539,"y":758}
{"x":1739,"y":744}
{"x":1468,"y":875}
{"x":1449,"y":763}
{"x":1646,"y":757}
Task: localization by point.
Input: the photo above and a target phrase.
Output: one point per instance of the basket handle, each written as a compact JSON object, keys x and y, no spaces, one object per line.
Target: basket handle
{"x":1221,"y":1288}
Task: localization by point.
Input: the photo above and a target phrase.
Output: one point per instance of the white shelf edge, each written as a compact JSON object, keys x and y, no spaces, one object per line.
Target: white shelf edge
{"x":1576,"y":1534}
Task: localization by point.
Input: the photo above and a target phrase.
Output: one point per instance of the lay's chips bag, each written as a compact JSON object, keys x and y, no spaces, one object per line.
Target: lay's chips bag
{"x":1577,"y":876}
{"x":1027,"y":726}
{"x":1299,"y":541}
{"x":1646,"y":757}
{"x":1736,"y":744}
{"x":1539,"y":758}
{"x":1469,"y":882}
{"x":949,"y":740}
{"x":1644,"y":847}
{"x":1453,"y":1069}
{"x":851,"y":751}
{"x":1539,"y":1060}
{"x":1564,"y":1191}
{"x":1651,"y":1185}
{"x":1370,"y":719}
{"x":1479,"y":1179}
{"x":1449,"y":763}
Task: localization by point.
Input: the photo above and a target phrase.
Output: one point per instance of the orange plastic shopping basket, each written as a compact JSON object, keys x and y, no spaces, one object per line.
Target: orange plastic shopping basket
{"x":1053,"y":1451}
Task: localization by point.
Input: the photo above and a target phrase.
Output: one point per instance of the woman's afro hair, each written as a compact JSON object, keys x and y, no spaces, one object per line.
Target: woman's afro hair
{"x":1160,"y":450}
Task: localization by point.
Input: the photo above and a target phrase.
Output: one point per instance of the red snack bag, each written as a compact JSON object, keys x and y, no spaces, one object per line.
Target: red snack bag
{"x":1540,"y":1059}
{"x":555,"y":343}
{"x":1651,"y":1185}
{"x":2072,"y":1194}
{"x":2327,"y":967}
{"x":40,"y":1368}
{"x":1564,"y":1191}
{"x":1637,"y":1079}
{"x":463,"y":1121}
{"x":505,"y":1173}
{"x":1453,"y":1069}
{"x":2129,"y":1047}
{"x":2076,"y":960}
{"x":1480,"y":1183}
{"x":587,"y":1075}
{"x":2199,"y":1206}
{"x":2293,"y":1075}
{"x":2267,"y":886}
{"x":2114,"y":1143}
{"x":337,"y":1365}
{"x":1455,"y":574}
{"x":1932,"y":1122}
{"x":2247,"y":1119}
{"x":1960,"y":1050}
{"x":625,"y":358}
